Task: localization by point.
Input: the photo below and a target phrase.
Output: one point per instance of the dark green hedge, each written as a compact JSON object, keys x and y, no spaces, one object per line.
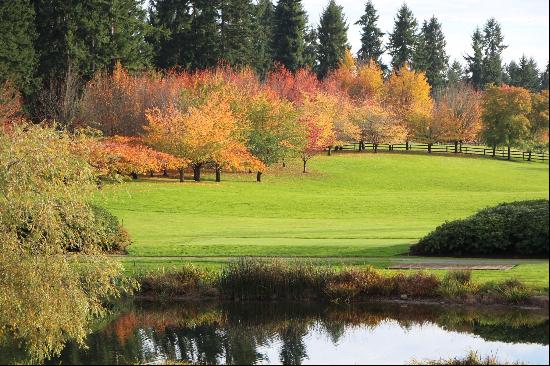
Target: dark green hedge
{"x":518,"y":229}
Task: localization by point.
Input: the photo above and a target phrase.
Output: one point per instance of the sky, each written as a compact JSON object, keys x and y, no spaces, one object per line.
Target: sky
{"x":524,"y":22}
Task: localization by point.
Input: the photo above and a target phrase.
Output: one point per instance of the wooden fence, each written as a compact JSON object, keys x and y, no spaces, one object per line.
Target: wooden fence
{"x":445,"y":149}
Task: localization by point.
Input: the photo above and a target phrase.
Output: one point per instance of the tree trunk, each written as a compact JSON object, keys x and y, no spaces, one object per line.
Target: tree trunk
{"x":259,"y":177}
{"x":329,"y":150}
{"x":151,"y":174}
{"x":460,"y":146}
{"x":218,"y":173}
{"x":509,"y":153}
{"x":165,"y":172}
{"x":407,"y":145}
{"x":529,"y":158}
{"x":134,"y":175}
{"x":197,"y":172}
{"x":456,"y":147}
{"x":494,"y":151}
{"x":429,"y":148}
{"x":375,"y":148}
{"x":182,"y":175}
{"x":305,"y":163}
{"x":284,"y":164}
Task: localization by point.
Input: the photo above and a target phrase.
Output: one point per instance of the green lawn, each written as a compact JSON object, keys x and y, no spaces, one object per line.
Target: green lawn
{"x":349,"y":205}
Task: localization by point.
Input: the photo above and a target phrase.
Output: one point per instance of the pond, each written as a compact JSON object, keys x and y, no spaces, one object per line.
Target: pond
{"x":297,"y":333}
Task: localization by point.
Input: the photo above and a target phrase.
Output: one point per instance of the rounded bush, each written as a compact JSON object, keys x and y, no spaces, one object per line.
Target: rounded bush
{"x":115,"y":238}
{"x":517,"y":229}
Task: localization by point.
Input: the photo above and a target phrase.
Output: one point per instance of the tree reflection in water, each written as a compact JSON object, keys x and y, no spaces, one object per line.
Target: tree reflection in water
{"x":220,"y":333}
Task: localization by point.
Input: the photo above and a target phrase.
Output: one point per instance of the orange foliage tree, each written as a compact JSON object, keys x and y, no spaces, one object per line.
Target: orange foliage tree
{"x":202,"y":134}
{"x":407,"y":96}
{"x":539,"y":122}
{"x":458,"y":110}
{"x":317,"y":115}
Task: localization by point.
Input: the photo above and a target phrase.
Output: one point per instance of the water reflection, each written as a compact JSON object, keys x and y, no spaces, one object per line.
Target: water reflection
{"x":294,"y":333}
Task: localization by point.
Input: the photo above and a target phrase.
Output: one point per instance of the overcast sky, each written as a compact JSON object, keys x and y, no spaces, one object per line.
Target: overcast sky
{"x":524,"y":22}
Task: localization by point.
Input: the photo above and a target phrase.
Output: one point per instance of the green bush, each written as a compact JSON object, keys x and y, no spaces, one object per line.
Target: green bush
{"x":114,"y":237}
{"x":518,"y":229}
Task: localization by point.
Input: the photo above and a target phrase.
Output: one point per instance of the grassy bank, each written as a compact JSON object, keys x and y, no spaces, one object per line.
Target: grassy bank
{"x":352,"y":205}
{"x":253,"y":279}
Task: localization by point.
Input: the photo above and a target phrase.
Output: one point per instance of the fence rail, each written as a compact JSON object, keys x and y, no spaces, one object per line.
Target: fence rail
{"x":446,"y":149}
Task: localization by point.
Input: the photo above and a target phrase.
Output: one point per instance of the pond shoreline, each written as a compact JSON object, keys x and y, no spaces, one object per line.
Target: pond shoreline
{"x":536,"y":303}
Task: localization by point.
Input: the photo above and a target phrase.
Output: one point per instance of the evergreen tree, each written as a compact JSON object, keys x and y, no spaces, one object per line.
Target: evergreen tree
{"x":475,"y":61}
{"x":333,"y":38}
{"x":263,"y":24}
{"x":311,"y":49}
{"x":236,"y":27}
{"x":89,"y":36}
{"x":528,"y":74}
{"x":288,"y":34}
{"x":492,"y":53}
{"x":455,"y":74}
{"x":544,"y":79}
{"x":172,"y":20}
{"x":205,"y":34}
{"x":17,"y":34}
{"x":403,"y":39}
{"x":512,"y":77}
{"x":430,"y":55}
{"x":371,"y":36}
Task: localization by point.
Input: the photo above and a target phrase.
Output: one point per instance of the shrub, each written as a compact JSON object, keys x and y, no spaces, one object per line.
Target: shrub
{"x":473,"y":358}
{"x":260,"y":279}
{"x":188,"y":281}
{"x":511,"y":291}
{"x":507,"y":230}
{"x":114,"y":237}
{"x":457,"y":285}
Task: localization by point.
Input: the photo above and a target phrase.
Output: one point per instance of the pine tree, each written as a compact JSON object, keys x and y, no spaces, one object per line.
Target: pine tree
{"x":288,"y":34}
{"x":492,"y":53}
{"x":89,"y":36}
{"x":17,"y":34}
{"x":236,"y":27}
{"x":205,"y":34}
{"x":528,"y":74}
{"x":430,"y":55}
{"x":475,"y":61}
{"x":403,"y":39}
{"x":455,"y":74}
{"x":263,"y":30}
{"x":128,"y":32}
{"x":512,"y":77}
{"x":371,"y":36}
{"x":544,"y":79}
{"x":172,"y":20}
{"x":333,"y":38}
{"x":311,"y":49}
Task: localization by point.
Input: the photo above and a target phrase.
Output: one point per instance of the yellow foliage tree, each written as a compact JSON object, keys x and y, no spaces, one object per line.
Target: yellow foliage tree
{"x":407,"y":96}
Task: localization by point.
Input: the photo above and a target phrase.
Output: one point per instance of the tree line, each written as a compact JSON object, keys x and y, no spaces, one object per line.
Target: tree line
{"x":45,"y":42}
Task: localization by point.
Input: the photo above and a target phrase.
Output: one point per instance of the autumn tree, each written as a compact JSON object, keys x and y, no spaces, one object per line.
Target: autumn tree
{"x":377,"y":125}
{"x":317,"y":115}
{"x":505,"y":116}
{"x":274,"y":132}
{"x":538,"y":119}
{"x":408,"y":97}
{"x":201,"y":134}
{"x":458,"y":109}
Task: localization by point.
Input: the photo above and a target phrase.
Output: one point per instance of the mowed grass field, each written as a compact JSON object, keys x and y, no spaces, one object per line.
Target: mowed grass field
{"x":348,"y":205}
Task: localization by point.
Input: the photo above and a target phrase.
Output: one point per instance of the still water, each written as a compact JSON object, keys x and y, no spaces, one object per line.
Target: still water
{"x":294,"y":333}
